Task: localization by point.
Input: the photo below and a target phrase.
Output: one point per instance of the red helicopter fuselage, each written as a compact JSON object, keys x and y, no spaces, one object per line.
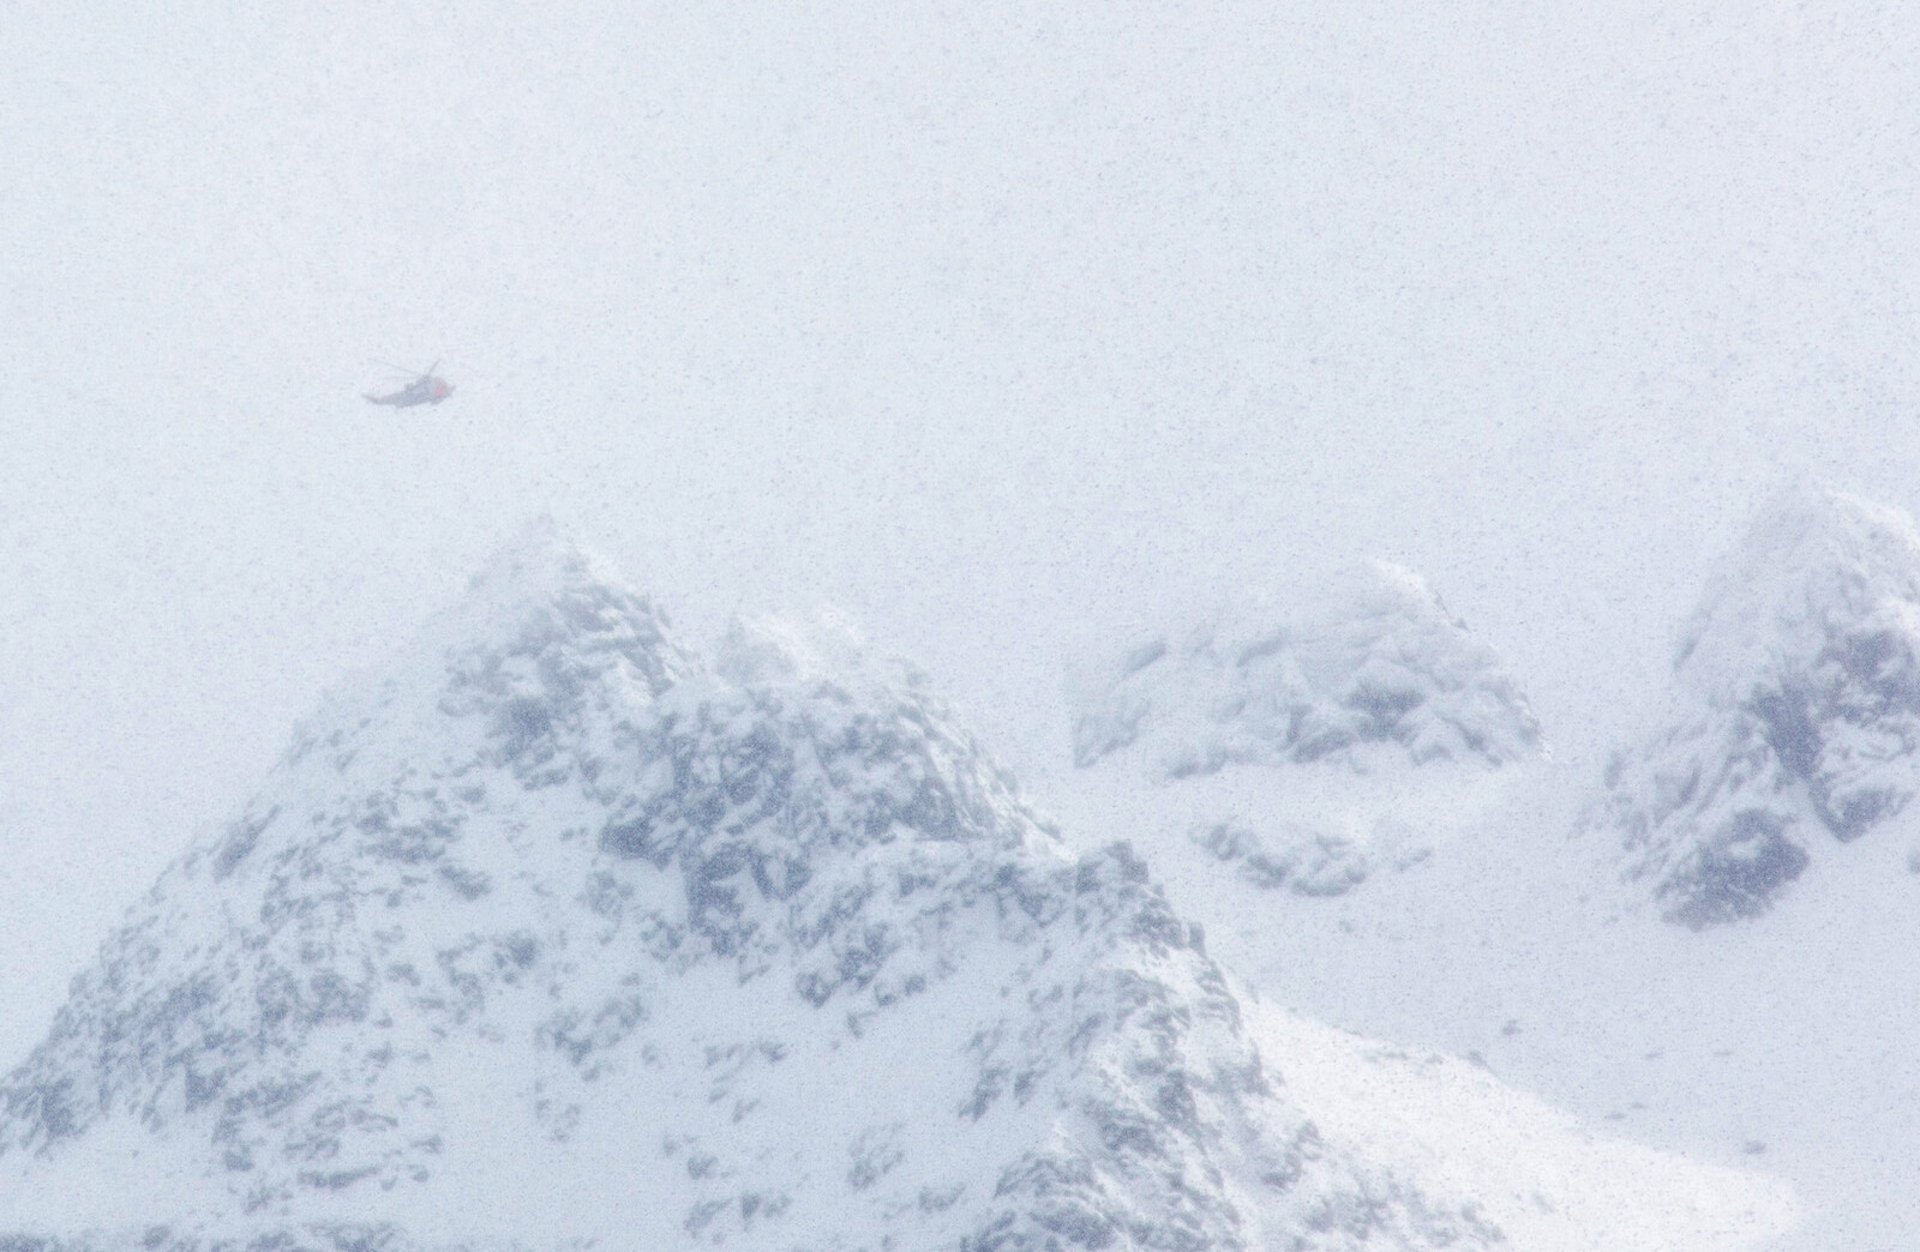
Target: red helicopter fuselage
{"x":426,"y":388}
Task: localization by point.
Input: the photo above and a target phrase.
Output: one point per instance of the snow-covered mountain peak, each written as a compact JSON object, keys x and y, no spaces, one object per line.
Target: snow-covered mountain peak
{"x":542,"y":629}
{"x":1371,"y":667}
{"x":1794,"y":722}
{"x":1815,"y":565}
{"x":542,"y":588}
{"x":1310,"y":742}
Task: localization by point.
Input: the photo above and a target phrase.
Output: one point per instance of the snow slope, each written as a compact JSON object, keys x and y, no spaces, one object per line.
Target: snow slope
{"x":1783,"y":1042}
{"x":558,"y":933}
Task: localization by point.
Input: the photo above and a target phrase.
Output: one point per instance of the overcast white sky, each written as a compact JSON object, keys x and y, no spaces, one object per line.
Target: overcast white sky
{"x":1002,"y":326}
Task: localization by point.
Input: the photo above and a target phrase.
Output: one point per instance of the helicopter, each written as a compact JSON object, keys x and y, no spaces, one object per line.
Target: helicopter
{"x":426,"y":388}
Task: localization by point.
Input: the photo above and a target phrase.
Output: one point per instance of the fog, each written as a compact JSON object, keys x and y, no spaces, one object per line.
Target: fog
{"x":1004,"y":328}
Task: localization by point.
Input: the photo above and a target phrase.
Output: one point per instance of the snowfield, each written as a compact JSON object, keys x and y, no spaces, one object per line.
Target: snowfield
{"x":560,"y":934}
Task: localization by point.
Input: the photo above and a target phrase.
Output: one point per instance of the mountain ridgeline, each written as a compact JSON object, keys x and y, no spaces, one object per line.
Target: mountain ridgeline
{"x":559,"y":933}
{"x":1791,"y":728}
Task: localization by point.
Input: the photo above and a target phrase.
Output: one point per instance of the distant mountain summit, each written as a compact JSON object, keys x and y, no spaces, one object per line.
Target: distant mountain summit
{"x":1373,"y":668}
{"x":1795,"y":718}
{"x":1310,"y":743}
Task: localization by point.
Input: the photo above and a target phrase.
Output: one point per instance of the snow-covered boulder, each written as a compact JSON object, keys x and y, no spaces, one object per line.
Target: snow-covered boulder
{"x":559,"y":935}
{"x":1795,"y":714}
